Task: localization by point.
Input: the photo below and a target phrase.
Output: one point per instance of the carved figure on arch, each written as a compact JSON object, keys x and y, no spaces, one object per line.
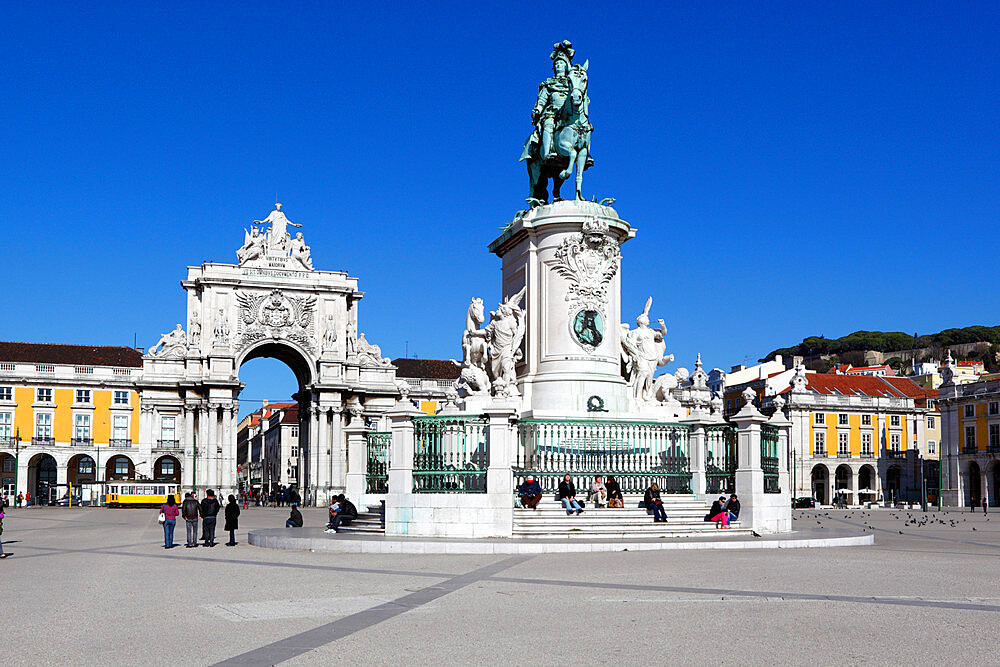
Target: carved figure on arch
{"x":330,"y":334}
{"x":253,"y":245}
{"x":301,"y":252}
{"x":351,"y":340}
{"x":473,"y":379}
{"x":643,"y":351}
{"x":222,"y":328}
{"x":194,"y":329}
{"x":370,"y":354}
{"x":172,"y":342}
{"x":504,"y":334}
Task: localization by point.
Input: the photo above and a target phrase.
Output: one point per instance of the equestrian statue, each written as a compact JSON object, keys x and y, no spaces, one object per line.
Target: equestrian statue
{"x":561,"y":139}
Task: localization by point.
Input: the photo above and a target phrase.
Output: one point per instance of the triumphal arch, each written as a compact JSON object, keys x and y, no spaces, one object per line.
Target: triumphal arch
{"x":271,"y":303}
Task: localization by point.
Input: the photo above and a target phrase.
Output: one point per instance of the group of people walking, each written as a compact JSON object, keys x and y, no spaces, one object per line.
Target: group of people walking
{"x":191,"y":510}
{"x":608,"y":493}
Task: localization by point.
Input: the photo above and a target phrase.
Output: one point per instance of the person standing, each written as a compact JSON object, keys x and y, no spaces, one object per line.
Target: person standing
{"x":985,"y":504}
{"x":190,"y":510}
{"x":653,"y":504}
{"x":975,"y":502}
{"x":170,"y":512}
{"x":567,"y":494}
{"x":209,"y":511}
{"x":20,"y":498}
{"x":232,"y":520}
{"x":3,"y":554}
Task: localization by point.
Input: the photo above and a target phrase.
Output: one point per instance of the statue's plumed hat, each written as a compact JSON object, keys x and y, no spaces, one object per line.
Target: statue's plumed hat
{"x":563,"y":51}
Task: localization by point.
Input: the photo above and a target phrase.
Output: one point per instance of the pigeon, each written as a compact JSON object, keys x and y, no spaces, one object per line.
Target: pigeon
{"x":900,"y":532}
{"x":755,"y":533}
{"x":973,"y":528}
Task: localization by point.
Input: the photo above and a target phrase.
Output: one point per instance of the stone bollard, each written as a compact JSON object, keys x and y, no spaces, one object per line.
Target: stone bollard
{"x":399,"y":500}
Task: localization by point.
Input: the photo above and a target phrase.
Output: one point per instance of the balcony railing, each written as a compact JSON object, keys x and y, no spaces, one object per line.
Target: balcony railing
{"x":82,"y":442}
{"x":819,"y":454}
{"x":120,"y":442}
{"x":993,"y":447}
{"x":895,"y":454}
{"x":867,"y":454}
{"x":45,"y":442}
{"x":843,"y":455}
{"x":168,"y":444}
{"x":970,"y":449}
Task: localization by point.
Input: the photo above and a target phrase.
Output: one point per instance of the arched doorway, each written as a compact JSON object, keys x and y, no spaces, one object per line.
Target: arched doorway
{"x":820,"y":479}
{"x":867,"y":484}
{"x":81,"y":468}
{"x":283,"y":453}
{"x":119,"y":467}
{"x":891,"y":486}
{"x":994,"y":494}
{"x":974,"y":485}
{"x":7,"y":475}
{"x":167,"y":469}
{"x":41,"y":477}
{"x":842,"y":485}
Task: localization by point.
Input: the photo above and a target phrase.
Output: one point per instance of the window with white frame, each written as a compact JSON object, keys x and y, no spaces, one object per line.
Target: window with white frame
{"x":166,"y":467}
{"x":866,"y":420}
{"x":6,"y":425}
{"x":994,"y":408}
{"x":894,"y":420}
{"x":930,"y":422}
{"x":994,"y":437}
{"x":81,"y":426}
{"x":121,"y":466}
{"x":295,"y":451}
{"x":819,"y":446}
{"x":43,"y":395}
{"x":970,"y":437}
{"x":293,"y":472}
{"x":168,"y":429}
{"x":843,"y":443}
{"x":970,"y":411}
{"x":895,"y":442}
{"x":931,"y":447}
{"x":83,"y":396}
{"x":119,"y":429}
{"x":294,"y":432}
{"x":8,"y":464}
{"x":842,"y":420}
{"x":43,"y":425}
{"x":866,"y":444}
{"x":820,"y":418}
{"x":6,"y":393}
{"x":121,"y":398}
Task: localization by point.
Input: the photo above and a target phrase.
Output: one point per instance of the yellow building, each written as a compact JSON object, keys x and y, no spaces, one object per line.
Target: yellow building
{"x":69,"y":414}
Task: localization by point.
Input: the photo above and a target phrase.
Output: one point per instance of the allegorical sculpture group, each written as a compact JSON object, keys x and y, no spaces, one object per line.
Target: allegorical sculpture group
{"x":498,"y":347}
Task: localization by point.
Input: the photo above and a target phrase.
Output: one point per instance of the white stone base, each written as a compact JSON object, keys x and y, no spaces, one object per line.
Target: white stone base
{"x":449,"y":515}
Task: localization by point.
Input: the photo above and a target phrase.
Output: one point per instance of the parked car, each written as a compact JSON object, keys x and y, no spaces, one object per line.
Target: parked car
{"x":803,"y":503}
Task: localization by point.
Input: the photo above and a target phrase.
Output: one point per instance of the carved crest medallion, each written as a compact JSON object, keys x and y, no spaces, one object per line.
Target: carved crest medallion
{"x":588,"y":260}
{"x":275,"y":315}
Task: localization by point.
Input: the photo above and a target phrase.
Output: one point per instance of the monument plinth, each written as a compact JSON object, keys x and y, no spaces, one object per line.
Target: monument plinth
{"x":566,"y":257}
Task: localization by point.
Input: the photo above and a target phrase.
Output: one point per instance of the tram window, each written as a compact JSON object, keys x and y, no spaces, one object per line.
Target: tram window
{"x":161,"y":490}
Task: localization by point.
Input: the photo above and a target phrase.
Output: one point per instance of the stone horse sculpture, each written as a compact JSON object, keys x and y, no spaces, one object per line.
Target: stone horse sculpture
{"x":571,"y":145}
{"x":473,"y":378}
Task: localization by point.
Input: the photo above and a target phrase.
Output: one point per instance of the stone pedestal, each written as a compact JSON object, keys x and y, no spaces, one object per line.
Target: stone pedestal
{"x":567,"y":255}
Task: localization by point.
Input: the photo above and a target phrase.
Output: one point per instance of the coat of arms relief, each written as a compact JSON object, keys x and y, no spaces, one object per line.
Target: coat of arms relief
{"x":275,"y":315}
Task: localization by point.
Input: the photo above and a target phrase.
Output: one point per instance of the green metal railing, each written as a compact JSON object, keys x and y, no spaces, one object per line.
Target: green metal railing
{"x":720,"y":459}
{"x":769,"y":457}
{"x":450,"y":454}
{"x":377,"y":477}
{"x":635,"y":453}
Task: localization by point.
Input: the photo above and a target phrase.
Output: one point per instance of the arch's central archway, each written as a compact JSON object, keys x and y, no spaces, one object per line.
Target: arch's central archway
{"x":272,"y":304}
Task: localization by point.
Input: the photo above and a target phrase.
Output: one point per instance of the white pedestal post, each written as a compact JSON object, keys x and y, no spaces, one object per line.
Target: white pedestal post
{"x":399,"y":500}
{"x":357,"y":461}
{"x":502,"y":438}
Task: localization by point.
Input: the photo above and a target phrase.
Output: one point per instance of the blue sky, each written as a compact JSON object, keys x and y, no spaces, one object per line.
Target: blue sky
{"x":792,"y":168}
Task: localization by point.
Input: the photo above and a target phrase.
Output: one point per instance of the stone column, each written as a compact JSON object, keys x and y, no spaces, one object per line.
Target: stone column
{"x":357,"y":461}
{"x":204,"y":447}
{"x":983,"y":479}
{"x":312,"y":464}
{"x":228,"y":451}
{"x":697,"y":453}
{"x":399,"y":501}
{"x":188,"y":461}
{"x":338,"y":450}
{"x":323,"y":456}
{"x":501,"y":436}
{"x":749,"y":475}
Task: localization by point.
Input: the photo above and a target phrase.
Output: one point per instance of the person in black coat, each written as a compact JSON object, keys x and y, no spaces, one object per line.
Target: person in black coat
{"x":733,"y":508}
{"x":615,"y":498}
{"x":567,"y":494}
{"x":209,"y":511}
{"x":232,"y":520}
{"x":651,"y":500}
{"x":295,"y":519}
{"x":718,"y":513}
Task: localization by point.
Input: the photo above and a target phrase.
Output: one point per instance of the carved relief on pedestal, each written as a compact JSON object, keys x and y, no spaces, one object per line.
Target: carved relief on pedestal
{"x":589,"y":261}
{"x":275,"y":315}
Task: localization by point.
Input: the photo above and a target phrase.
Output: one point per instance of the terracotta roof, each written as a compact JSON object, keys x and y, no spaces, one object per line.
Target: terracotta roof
{"x":291,"y":416}
{"x":853,"y":385}
{"x":968,"y":363}
{"x":74,"y":355}
{"x":431,"y":369}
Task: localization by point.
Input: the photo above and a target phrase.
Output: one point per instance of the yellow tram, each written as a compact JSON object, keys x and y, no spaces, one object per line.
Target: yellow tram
{"x":140,"y":493}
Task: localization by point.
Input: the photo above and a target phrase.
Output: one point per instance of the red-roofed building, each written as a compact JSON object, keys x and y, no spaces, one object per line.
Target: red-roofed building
{"x":867,"y":437}
{"x":250,"y":441}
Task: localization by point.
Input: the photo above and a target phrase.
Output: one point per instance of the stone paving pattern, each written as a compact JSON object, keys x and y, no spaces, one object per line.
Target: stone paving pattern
{"x":89,"y":586}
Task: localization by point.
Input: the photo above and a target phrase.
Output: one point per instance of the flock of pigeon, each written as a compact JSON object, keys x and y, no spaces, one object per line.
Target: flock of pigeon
{"x":911,"y":520}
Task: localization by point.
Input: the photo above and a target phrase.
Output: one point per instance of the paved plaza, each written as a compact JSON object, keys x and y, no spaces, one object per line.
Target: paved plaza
{"x":95,"y":586}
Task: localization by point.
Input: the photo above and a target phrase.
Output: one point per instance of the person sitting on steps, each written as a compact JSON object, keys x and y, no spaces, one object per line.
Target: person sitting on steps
{"x":651,"y":500}
{"x":531,"y":493}
{"x":615,"y":498}
{"x":733,"y":508}
{"x":598,"y":493}
{"x":567,"y":494}
{"x":718,"y":514}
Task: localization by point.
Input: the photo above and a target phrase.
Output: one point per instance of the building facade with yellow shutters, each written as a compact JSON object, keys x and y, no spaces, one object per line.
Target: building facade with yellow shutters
{"x":970,"y":416}
{"x":865,"y":438}
{"x":69,"y":414}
